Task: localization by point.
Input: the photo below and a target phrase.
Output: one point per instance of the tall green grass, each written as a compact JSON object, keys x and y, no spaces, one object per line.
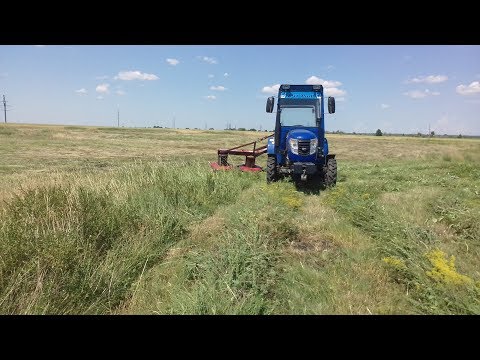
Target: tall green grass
{"x":232,"y":269}
{"x":414,"y":252}
{"x":79,"y":247}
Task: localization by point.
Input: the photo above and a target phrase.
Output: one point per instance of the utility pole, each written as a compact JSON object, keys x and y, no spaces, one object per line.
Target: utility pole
{"x":174,"y":120}
{"x":5,"y":108}
{"x":118,"y":115}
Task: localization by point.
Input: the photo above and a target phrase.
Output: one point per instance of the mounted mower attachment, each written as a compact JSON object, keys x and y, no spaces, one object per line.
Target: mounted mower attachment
{"x":250,"y":156}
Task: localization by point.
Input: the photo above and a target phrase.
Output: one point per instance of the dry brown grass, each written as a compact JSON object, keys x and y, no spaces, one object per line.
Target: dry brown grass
{"x":372,"y":148}
{"x":320,"y":222}
{"x":411,"y":204}
{"x":366,"y":291}
{"x":36,"y":155}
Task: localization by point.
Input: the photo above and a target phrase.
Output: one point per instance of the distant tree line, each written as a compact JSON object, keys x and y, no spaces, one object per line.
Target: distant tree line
{"x":379,"y":132}
{"x":245,"y":129}
{"x":232,"y":129}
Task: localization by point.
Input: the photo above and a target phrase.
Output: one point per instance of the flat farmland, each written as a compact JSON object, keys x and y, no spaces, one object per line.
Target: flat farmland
{"x":97,"y":220}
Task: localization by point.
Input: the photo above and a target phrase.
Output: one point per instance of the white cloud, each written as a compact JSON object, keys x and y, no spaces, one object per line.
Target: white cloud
{"x":329,"y":89}
{"x":173,"y":62}
{"x":120,"y":92}
{"x":419,"y":94}
{"x":384,"y":106}
{"x":341,"y":98}
{"x":210,"y":97}
{"x":271,"y":89}
{"x":415,"y":94}
{"x":81,"y":91}
{"x":208,"y":60}
{"x":430,"y":79}
{"x":313,"y":80}
{"x":333,"y":91}
{"x":135,"y":75}
{"x":226,"y":74}
{"x":103,"y":77}
{"x":330,"y":67}
{"x":40,"y":45}
{"x":99,"y":97}
{"x":211,"y":76}
{"x":428,"y":92}
{"x":473,"y":88}
{"x":218,"y":88}
{"x":102,"y":88}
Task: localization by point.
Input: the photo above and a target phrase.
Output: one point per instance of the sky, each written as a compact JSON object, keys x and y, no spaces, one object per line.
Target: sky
{"x":395,"y":88}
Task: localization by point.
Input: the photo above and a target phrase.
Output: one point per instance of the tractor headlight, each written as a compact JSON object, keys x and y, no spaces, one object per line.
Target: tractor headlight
{"x":313,"y":146}
{"x":294,"y":146}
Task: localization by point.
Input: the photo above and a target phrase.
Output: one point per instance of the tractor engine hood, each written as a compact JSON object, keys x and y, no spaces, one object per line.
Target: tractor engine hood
{"x":302,"y":145}
{"x":300,"y":134}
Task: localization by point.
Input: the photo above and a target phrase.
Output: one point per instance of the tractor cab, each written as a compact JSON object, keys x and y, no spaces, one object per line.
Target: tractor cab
{"x":299,"y":146}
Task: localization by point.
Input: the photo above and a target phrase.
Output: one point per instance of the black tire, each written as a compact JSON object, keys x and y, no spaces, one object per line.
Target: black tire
{"x":331,"y":172}
{"x":272,"y":168}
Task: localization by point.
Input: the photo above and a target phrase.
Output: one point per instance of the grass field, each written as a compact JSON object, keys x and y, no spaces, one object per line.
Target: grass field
{"x":133,"y":221}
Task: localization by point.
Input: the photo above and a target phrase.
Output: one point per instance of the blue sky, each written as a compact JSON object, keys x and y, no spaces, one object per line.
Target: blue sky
{"x":395,"y":88}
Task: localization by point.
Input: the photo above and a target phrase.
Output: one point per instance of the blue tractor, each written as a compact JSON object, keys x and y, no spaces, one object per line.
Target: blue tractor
{"x":299,"y":147}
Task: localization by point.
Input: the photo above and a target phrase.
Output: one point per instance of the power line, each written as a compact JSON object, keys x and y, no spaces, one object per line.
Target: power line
{"x":5,"y":108}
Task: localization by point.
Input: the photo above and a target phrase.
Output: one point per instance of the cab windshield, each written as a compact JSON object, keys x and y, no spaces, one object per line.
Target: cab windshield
{"x":298,"y":116}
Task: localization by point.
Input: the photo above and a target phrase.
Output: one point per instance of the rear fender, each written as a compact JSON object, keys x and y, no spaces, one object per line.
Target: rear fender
{"x":271,"y":151}
{"x":271,"y":146}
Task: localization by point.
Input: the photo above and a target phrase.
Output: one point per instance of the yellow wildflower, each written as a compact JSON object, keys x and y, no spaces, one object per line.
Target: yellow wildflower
{"x":397,"y":264}
{"x":444,"y":269}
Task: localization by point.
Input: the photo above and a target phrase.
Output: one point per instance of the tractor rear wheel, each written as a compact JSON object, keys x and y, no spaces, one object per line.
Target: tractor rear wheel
{"x":272,"y":168}
{"x":331,"y":172}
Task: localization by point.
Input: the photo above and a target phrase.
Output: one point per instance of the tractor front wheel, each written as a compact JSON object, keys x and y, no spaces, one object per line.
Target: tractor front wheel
{"x":331,"y":172}
{"x":272,"y":168}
